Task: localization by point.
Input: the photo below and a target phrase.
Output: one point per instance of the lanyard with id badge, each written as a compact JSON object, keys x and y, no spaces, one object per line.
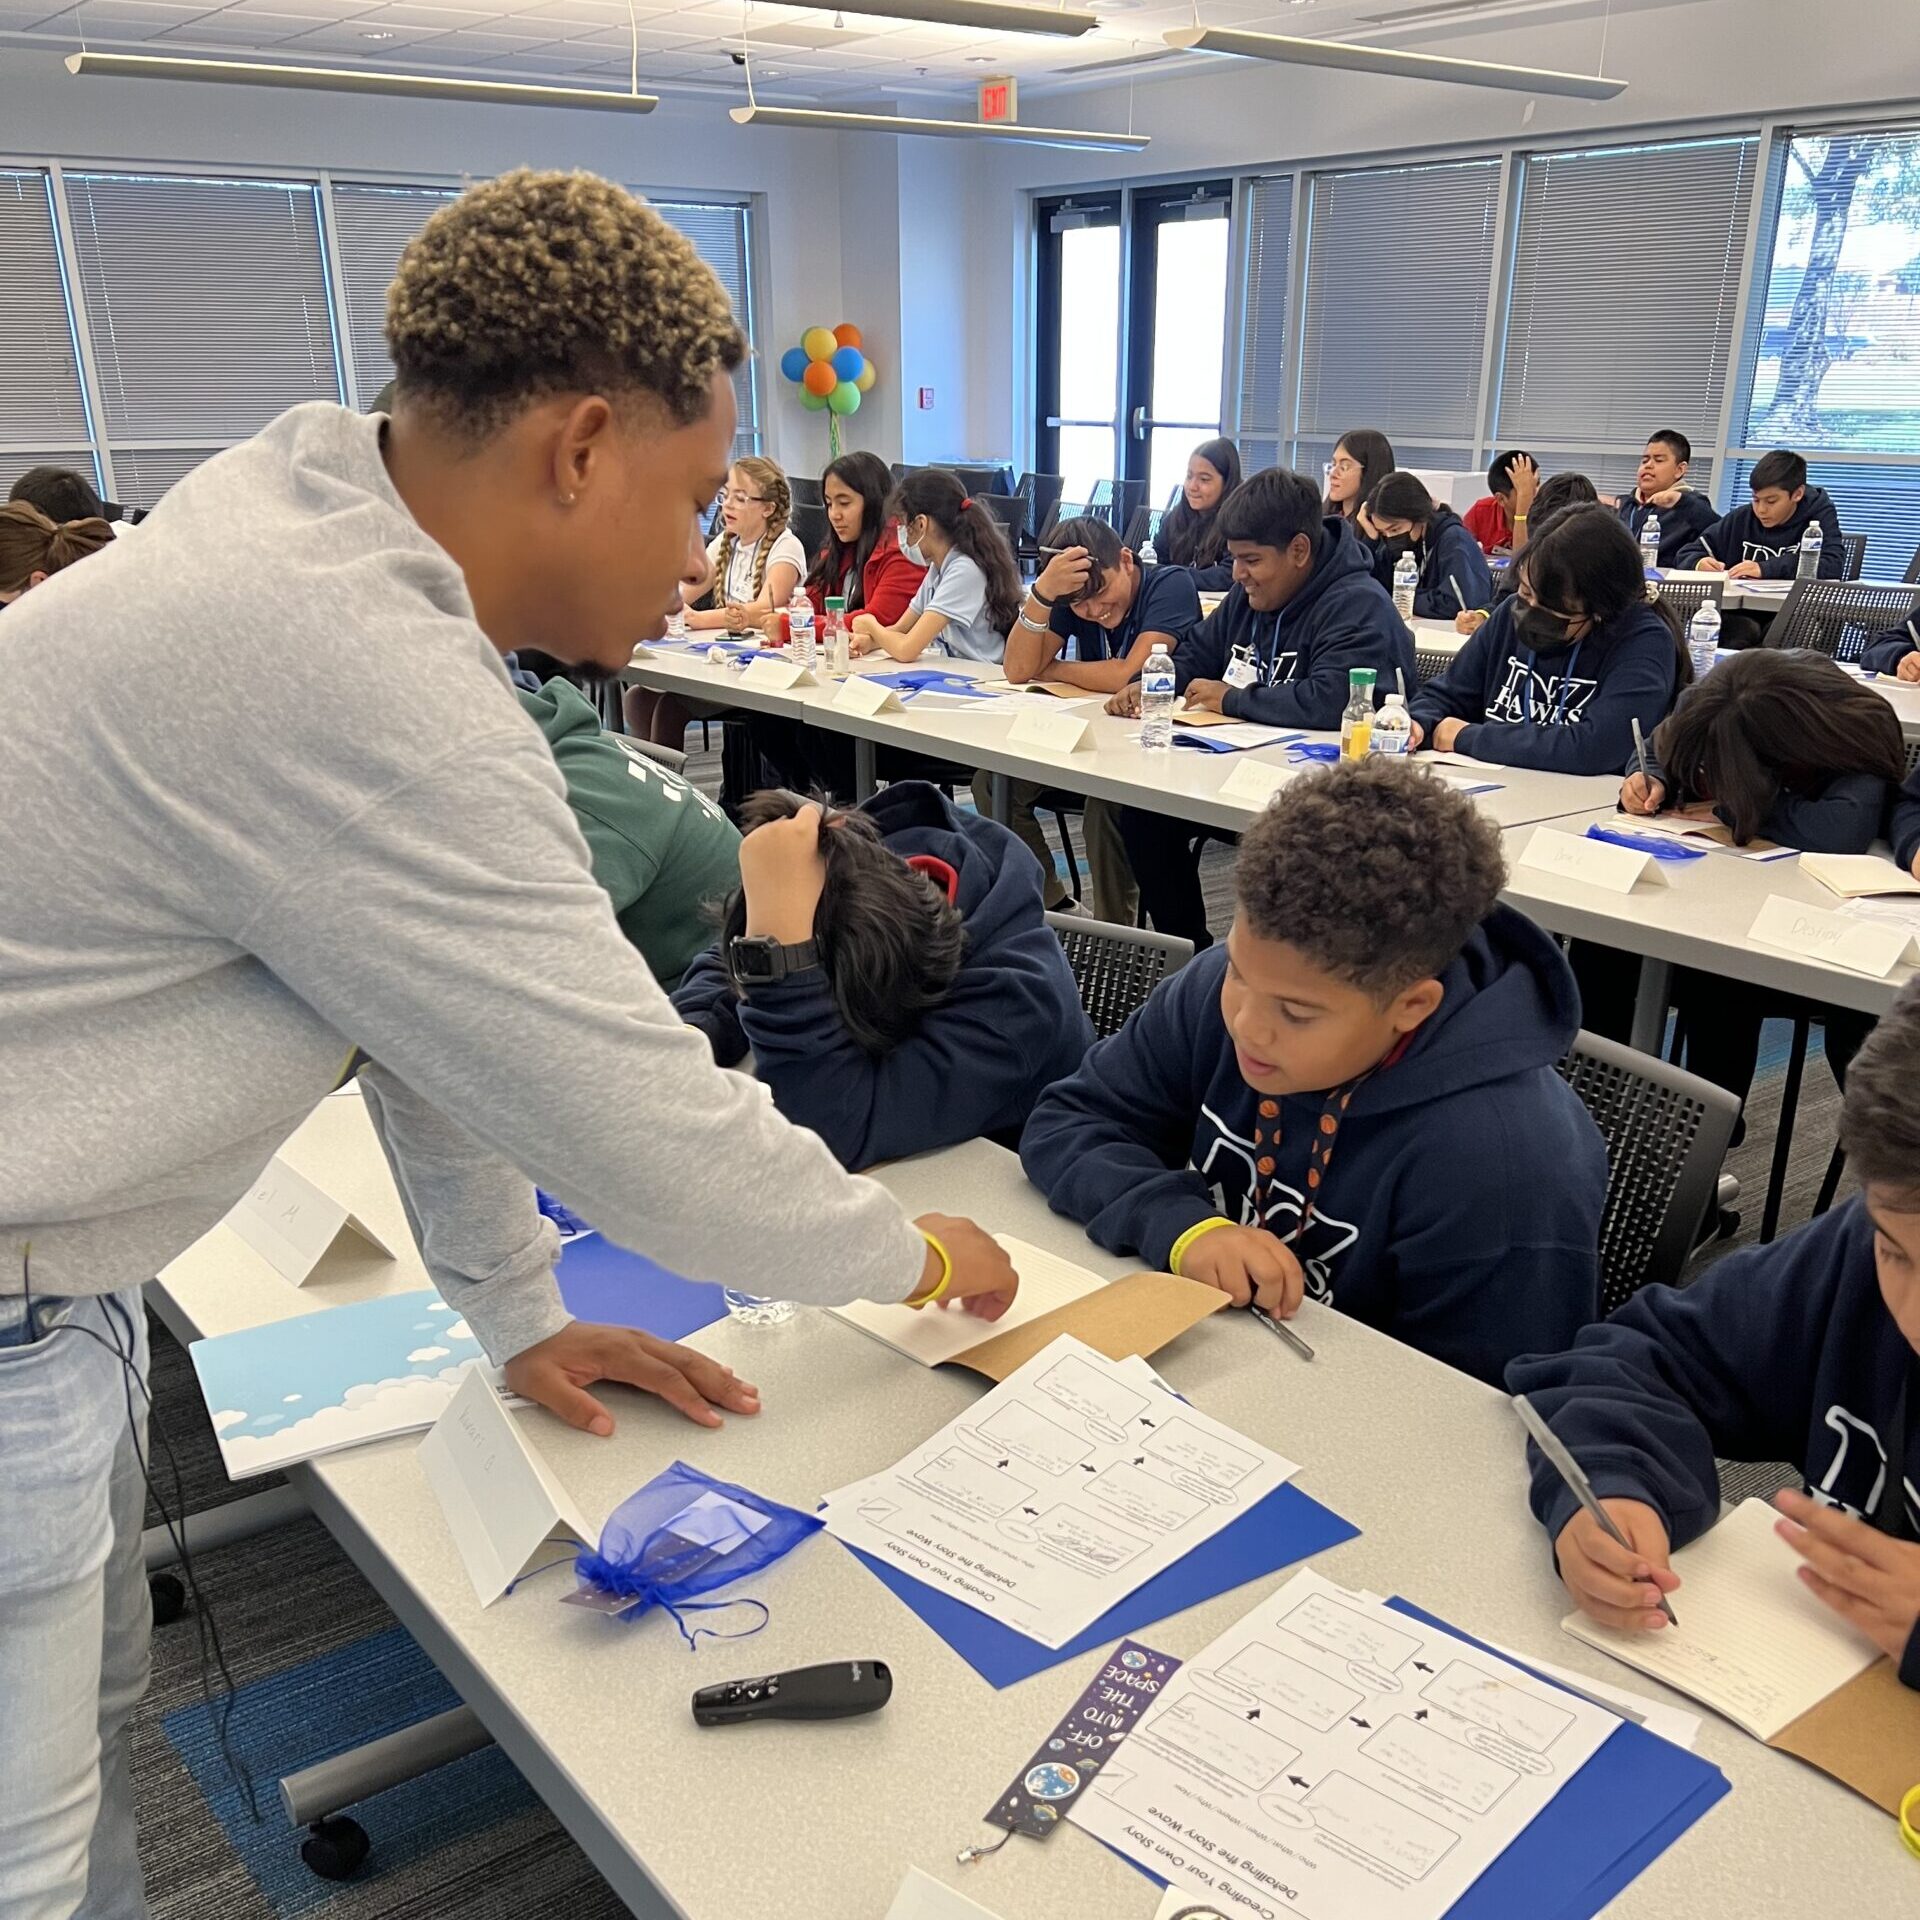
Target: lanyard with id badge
{"x":1241,"y":671}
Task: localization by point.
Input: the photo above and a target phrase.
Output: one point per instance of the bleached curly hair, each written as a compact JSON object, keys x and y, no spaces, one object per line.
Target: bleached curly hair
{"x":544,"y":283}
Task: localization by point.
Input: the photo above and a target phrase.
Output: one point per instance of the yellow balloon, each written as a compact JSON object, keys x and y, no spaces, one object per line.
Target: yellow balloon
{"x":868,"y":375}
{"x":818,"y":343}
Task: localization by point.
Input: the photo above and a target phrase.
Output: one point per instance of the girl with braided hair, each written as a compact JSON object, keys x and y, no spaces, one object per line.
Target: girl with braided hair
{"x":756,"y":560}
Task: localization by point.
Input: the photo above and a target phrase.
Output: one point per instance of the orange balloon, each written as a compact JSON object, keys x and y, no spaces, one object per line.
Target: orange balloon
{"x":846,"y":334}
{"x":820,"y":377}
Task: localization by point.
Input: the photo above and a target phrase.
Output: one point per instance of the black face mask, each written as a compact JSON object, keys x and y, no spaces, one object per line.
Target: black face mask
{"x":1398,"y":544}
{"x":1544,"y":632}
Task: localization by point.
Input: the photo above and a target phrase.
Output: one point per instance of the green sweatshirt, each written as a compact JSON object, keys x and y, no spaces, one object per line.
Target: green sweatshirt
{"x":663,"y":851}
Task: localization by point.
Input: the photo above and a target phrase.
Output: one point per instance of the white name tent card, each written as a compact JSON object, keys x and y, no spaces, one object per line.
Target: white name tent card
{"x":1049,"y":730}
{"x":503,"y":1507}
{"x":295,"y":1226}
{"x":861,"y":695}
{"x":1252,"y":783}
{"x":776,"y":676}
{"x":922,"y":1897}
{"x":1861,"y":946}
{"x":1597,"y":863}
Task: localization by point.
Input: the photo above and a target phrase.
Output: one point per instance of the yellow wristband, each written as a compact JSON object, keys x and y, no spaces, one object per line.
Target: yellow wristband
{"x":946,"y":1274}
{"x":1910,"y":1822}
{"x":1187,"y":1239}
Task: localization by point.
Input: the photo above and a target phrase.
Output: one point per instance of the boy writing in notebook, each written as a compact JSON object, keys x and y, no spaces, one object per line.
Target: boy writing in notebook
{"x":1806,"y":1350}
{"x":1355,"y":1097}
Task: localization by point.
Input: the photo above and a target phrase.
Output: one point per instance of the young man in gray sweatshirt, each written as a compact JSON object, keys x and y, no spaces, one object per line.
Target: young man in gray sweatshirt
{"x":234,"y":864}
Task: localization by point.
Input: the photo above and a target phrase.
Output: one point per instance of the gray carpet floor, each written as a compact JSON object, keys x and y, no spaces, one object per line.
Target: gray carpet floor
{"x":293,"y":1597}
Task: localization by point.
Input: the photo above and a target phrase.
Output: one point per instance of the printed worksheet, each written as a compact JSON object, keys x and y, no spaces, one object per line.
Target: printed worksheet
{"x":1073,"y":1482}
{"x":1332,"y":1759}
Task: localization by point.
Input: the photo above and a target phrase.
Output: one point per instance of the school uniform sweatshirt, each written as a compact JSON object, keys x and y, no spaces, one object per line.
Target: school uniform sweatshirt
{"x":268,"y":797}
{"x":1568,"y":710}
{"x":1460,"y":1208}
{"x":663,"y":851}
{"x":1681,"y":524}
{"x":1885,"y":654}
{"x":1447,"y":556}
{"x":1340,"y":619}
{"x":1011,"y":1024}
{"x":1740,"y":536}
{"x":1903,"y":828}
{"x":1783,"y":1352}
{"x":1844,"y":816}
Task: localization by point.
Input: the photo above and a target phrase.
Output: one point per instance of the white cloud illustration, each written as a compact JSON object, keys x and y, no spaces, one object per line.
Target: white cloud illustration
{"x":291,"y":1399}
{"x":439,"y":1306}
{"x":459,"y":1331}
{"x":421,"y":1355}
{"x":371,"y":1412}
{"x":228,"y":1418}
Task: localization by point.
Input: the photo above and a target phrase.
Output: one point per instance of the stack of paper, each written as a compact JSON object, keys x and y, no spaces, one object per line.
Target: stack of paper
{"x":1754,"y":1645}
{"x":1851,"y":875}
{"x":1071,"y":1484}
{"x":1354,"y":1756}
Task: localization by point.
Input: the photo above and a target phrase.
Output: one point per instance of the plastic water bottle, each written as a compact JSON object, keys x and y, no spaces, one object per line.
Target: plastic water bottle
{"x":800,"y":629}
{"x":1156,"y":701}
{"x":837,"y":641}
{"x":1406,"y":580}
{"x":1703,"y":637}
{"x":1392,"y":726}
{"x":677,"y":623}
{"x":1356,"y":724}
{"x":751,"y":1310}
{"x":1811,"y":543}
{"x":1650,"y":543}
{"x":1147,"y":556}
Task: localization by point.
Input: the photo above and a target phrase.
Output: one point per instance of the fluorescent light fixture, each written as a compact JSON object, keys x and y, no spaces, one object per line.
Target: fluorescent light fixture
{"x":418,"y":86}
{"x":1291,"y":50}
{"x":982,"y":16}
{"x":829,"y":121}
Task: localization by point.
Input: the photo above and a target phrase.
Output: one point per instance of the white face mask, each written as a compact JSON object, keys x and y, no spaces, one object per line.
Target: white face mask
{"x":907,"y":547}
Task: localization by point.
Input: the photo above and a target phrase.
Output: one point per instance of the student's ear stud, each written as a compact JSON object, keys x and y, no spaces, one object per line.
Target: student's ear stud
{"x":568,"y":499}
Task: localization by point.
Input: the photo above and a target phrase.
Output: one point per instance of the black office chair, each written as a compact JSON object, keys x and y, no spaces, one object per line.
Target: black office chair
{"x":1116,"y":968}
{"x":1063,"y":511}
{"x":1854,"y":546}
{"x":809,"y":524}
{"x":1143,"y":524}
{"x":1429,"y":663}
{"x":1666,"y":1133}
{"x":1041,"y":492}
{"x":900,"y":470}
{"x":1687,"y":597}
{"x":1010,"y":510}
{"x":1113,"y":500}
{"x":1840,"y":618}
{"x":806,"y":493}
{"x":1912,"y":574}
{"x":980,"y":479}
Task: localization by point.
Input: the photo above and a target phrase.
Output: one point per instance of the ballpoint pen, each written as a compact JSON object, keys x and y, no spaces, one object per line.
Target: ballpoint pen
{"x":1284,"y":1331}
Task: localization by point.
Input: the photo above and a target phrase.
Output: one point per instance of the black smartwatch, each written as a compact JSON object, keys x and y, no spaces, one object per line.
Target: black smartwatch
{"x":759,"y":960}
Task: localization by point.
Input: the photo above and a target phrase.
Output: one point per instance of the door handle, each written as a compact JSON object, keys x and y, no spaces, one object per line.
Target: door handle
{"x":1140,"y":423}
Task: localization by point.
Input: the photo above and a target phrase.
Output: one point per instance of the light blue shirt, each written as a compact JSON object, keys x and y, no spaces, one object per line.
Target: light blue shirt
{"x":957,"y":588}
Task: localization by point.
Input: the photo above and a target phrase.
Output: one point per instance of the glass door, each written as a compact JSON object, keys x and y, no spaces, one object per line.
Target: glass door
{"x":1177,"y":342}
{"x":1080,"y":328}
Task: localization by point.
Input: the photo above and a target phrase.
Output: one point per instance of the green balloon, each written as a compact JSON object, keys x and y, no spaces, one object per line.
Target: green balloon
{"x":845,"y":398}
{"x":813,"y":402}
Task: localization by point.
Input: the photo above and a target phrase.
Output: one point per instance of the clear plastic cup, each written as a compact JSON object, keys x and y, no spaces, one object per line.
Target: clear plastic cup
{"x":752,"y":1310}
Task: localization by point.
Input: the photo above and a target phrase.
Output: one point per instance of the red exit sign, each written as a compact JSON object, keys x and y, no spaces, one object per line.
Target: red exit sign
{"x":999,"y":101}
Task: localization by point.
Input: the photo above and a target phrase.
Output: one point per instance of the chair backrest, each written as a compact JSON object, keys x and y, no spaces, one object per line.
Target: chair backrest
{"x":1687,"y":597}
{"x":1666,"y":1133}
{"x":1009,"y":509}
{"x":1116,"y":968}
{"x":979,"y":479}
{"x":1143,"y":524}
{"x":670,"y":757}
{"x":1041,"y":492}
{"x":809,"y":524}
{"x":1854,"y":546}
{"x":1913,"y":753}
{"x":900,"y":469}
{"x":1064,"y":510}
{"x":806,"y":493}
{"x":1912,"y":574}
{"x":1429,"y":663}
{"x":1840,"y":618}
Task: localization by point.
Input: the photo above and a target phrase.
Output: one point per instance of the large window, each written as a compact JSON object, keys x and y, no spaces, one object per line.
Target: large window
{"x":43,"y":409}
{"x":372,"y":226}
{"x":1399,"y":264}
{"x":721,"y":232}
{"x":1833,"y":332}
{"x":1266,"y":285}
{"x":1620,"y":319}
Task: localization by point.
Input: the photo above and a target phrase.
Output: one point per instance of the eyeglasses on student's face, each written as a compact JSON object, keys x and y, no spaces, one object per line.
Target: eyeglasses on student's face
{"x":734,"y":497}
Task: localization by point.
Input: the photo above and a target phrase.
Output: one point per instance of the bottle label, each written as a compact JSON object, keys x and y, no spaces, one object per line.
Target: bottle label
{"x":1355,"y":738}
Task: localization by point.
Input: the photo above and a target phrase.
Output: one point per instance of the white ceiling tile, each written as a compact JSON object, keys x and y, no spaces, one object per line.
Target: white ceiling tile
{"x":346,"y":37}
{"x":238,"y":30}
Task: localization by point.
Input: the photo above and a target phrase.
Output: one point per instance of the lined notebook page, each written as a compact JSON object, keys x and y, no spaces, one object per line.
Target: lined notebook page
{"x":933,"y":1334}
{"x":1752,"y":1643}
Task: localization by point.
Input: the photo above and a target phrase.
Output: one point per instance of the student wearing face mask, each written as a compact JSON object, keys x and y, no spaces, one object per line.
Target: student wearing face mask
{"x":1189,"y":534}
{"x":970,"y":597}
{"x":1579,"y":652}
{"x":1408,"y":520}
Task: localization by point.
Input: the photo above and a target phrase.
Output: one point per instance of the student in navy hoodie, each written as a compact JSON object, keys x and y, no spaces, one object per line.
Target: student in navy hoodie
{"x":890,"y":972}
{"x":1807,"y":1350}
{"x":1356,"y":1098}
{"x":1762,"y":541}
{"x":1304,"y":611}
{"x":1897,"y":652}
{"x":1557,"y":677}
{"x":1409,"y":520}
{"x":1660,"y":487}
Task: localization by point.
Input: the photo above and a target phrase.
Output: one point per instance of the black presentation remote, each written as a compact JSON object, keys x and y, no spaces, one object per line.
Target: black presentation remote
{"x":837,"y":1691}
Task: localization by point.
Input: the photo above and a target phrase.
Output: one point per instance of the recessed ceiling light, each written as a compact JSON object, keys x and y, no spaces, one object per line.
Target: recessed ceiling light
{"x":981,"y":59}
{"x":382,"y":35}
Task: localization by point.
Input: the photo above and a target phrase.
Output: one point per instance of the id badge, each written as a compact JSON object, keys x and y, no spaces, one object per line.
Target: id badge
{"x":1241,"y":672}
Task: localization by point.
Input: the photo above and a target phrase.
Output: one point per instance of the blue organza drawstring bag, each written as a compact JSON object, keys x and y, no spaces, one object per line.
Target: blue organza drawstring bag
{"x":685,"y":1534}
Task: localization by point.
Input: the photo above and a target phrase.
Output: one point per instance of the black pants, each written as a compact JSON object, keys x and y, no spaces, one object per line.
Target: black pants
{"x":1166,"y":863}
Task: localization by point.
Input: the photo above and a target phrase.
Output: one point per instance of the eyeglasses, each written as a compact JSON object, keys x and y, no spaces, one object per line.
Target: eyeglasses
{"x":738,"y":499}
{"x":1344,"y":465}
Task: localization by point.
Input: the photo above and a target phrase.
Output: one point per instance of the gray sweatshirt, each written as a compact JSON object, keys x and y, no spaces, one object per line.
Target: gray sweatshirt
{"x":265,"y":796}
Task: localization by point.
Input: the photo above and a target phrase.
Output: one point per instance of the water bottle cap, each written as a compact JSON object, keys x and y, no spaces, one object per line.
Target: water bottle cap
{"x":1362,"y":676}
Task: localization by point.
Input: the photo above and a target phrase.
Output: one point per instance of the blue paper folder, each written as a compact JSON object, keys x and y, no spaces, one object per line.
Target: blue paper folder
{"x":599,"y":1281}
{"x":1204,"y":742}
{"x":1286,"y":1526}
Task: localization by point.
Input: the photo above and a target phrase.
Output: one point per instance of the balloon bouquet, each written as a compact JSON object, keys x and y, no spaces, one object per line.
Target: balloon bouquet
{"x":832,"y":371}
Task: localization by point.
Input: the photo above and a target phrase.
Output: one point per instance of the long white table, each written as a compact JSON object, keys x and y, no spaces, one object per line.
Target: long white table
{"x":1181,"y":782}
{"x":804,"y":1821}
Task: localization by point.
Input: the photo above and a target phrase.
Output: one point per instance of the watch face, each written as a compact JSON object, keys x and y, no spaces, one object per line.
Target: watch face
{"x":753,"y":962}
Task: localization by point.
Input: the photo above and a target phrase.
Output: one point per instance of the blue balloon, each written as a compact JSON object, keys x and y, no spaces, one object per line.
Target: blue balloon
{"x":849,"y":363}
{"x":793,"y":363}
